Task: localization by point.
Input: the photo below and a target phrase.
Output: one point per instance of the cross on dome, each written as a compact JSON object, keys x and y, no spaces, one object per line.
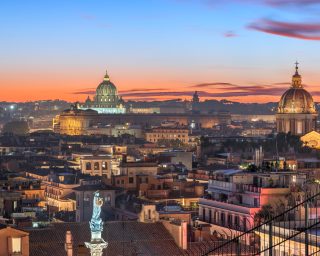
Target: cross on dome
{"x":297,"y":63}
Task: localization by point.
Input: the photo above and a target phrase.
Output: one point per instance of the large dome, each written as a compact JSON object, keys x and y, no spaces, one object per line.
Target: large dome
{"x":106,"y":88}
{"x":296,"y":100}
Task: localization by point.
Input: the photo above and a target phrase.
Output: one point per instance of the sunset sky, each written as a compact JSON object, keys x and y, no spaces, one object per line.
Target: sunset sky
{"x":241,"y":50}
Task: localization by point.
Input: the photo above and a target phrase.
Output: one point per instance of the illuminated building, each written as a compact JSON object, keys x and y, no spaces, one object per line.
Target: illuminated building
{"x":107,"y":100}
{"x":78,"y":122}
{"x":74,"y":121}
{"x":13,"y":241}
{"x":167,"y":133}
{"x":236,"y":196}
{"x":96,"y":165}
{"x":311,"y":140}
{"x":296,"y":110}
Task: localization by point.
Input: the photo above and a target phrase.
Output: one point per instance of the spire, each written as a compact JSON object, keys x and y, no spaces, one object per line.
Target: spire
{"x":195,"y":97}
{"x":297,"y":63}
{"x":106,"y":77}
{"x":296,"y":78}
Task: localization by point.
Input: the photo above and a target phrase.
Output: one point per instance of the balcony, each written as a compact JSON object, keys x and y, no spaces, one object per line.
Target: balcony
{"x":238,"y":208}
{"x":251,"y":189}
{"x":215,"y":185}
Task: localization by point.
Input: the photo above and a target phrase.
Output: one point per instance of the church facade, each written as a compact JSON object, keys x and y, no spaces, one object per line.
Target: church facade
{"x":106,"y":100}
{"x":296,"y":110}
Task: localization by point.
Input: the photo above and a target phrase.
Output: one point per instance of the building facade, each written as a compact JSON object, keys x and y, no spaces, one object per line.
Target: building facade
{"x":167,"y":133}
{"x":13,"y":242}
{"x":96,"y":165}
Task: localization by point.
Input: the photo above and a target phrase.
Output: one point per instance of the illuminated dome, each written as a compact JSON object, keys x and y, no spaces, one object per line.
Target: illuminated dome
{"x":296,"y":99}
{"x":296,"y":110}
{"x":106,"y":88}
{"x":106,"y":100}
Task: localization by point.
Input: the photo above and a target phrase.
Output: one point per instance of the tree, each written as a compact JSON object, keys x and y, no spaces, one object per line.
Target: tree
{"x":265,"y":213}
{"x":16,"y":128}
{"x":252,"y":168}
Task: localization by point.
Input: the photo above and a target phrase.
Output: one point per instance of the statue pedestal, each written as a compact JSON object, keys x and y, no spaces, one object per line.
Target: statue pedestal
{"x":96,"y":247}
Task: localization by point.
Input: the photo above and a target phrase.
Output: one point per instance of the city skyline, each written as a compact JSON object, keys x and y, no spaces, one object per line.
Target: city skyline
{"x":154,"y":50}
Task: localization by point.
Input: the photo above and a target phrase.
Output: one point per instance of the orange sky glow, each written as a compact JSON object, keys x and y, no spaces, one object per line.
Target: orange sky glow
{"x":76,"y":86}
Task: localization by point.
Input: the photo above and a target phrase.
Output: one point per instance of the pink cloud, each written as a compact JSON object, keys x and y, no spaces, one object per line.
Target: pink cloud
{"x":306,"y":31}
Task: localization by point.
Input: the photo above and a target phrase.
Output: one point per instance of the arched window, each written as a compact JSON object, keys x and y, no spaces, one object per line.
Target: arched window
{"x":96,"y":166}
{"x":88,"y":166}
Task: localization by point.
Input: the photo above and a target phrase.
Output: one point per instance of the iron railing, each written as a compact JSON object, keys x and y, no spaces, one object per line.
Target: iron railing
{"x":295,"y":231}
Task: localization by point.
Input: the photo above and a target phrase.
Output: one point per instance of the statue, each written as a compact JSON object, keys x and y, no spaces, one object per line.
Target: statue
{"x":97,"y":243}
{"x":96,"y":223}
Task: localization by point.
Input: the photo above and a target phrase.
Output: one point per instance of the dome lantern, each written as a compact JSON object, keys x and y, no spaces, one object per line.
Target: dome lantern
{"x":106,"y":77}
{"x":296,"y":78}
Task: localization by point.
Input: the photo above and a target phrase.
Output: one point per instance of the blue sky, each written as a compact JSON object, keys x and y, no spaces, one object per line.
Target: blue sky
{"x":62,"y":48}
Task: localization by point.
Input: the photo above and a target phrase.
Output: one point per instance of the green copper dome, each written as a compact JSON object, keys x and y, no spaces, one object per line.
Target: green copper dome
{"x":106,"y":88}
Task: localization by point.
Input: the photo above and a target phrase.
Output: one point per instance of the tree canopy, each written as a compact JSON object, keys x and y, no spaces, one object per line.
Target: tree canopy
{"x":16,"y":128}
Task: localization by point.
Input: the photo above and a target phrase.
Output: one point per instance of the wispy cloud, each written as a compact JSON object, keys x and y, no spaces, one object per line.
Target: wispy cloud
{"x":229,"y":34}
{"x":92,"y":19}
{"x":212,"y":84}
{"x":88,"y":17}
{"x":291,"y":2}
{"x":306,"y":31}
{"x":90,"y":92}
{"x":142,"y":90}
{"x":252,"y":91}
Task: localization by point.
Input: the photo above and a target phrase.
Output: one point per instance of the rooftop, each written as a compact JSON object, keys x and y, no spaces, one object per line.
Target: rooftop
{"x":124,"y":238}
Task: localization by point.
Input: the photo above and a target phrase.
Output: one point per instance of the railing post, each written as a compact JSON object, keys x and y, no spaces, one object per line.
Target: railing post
{"x":306,"y":237}
{"x":270,"y":239}
{"x":238,"y":247}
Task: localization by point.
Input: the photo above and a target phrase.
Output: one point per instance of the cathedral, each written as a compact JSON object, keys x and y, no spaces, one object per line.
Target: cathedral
{"x":296,"y":110}
{"x":107,"y":100}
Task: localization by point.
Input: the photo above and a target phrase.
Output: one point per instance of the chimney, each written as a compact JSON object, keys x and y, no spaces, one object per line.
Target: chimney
{"x":69,"y":243}
{"x":184,"y":235}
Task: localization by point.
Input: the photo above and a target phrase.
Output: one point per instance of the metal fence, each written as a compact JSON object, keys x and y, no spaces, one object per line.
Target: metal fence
{"x":296,"y":231}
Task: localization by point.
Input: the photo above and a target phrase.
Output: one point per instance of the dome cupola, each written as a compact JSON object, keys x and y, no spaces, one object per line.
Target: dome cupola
{"x":106,"y":88}
{"x":296,"y":99}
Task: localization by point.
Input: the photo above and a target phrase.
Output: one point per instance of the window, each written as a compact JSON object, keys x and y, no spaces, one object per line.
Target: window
{"x":104,"y":165}
{"x":236,"y":220}
{"x":96,"y":166}
{"x":108,"y":199}
{"x":223,"y":218}
{"x":16,"y":244}
{"x":130,"y":179}
{"x":229,"y":220}
{"x":88,"y":166}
